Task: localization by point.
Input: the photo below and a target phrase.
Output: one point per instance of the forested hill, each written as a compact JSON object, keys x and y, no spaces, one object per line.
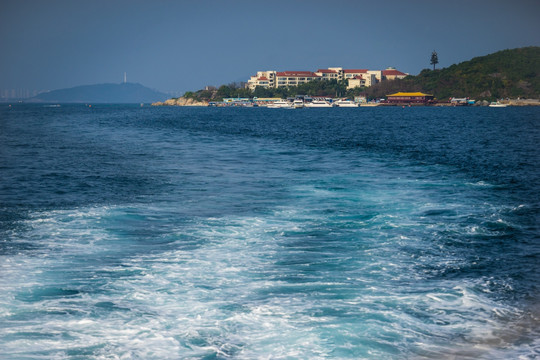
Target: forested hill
{"x":102,"y":93}
{"x":508,"y":73}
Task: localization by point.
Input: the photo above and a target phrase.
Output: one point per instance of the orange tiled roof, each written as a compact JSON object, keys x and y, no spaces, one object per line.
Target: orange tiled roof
{"x":297,"y":74}
{"x":393,"y":73}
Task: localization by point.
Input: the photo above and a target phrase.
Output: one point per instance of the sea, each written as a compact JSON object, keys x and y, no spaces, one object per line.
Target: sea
{"x":131,"y":232}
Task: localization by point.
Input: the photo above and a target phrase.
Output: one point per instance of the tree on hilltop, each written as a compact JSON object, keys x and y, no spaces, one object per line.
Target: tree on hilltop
{"x":434,"y":59}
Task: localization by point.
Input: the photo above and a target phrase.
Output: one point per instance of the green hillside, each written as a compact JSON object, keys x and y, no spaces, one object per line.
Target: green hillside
{"x":508,"y":73}
{"x":504,"y":74}
{"x":102,"y":93}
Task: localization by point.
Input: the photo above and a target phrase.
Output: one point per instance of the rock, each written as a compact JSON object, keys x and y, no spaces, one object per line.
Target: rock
{"x":486,"y":93}
{"x":181,"y":101}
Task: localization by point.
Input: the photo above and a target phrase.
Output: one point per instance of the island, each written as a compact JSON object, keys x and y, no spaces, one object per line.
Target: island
{"x":510,"y":76}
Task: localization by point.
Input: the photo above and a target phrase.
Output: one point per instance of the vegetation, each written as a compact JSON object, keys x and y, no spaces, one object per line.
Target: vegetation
{"x":101,"y":93}
{"x":507,"y":73}
{"x":331,"y":88}
{"x":434,"y":59}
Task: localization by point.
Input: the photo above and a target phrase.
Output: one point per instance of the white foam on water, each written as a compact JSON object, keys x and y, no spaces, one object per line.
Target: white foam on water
{"x":297,"y":282}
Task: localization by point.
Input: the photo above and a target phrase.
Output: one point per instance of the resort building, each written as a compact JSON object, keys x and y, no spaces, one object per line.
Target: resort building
{"x":364,"y":80}
{"x":354,"y":77}
{"x":352,"y":73}
{"x":329,"y":74}
{"x":409,"y":98}
{"x":393,"y":74}
{"x":263,"y":79}
{"x":295,"y":78}
{"x":357,"y":81}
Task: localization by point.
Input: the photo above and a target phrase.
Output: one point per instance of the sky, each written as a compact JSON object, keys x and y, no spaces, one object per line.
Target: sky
{"x":177,"y":46}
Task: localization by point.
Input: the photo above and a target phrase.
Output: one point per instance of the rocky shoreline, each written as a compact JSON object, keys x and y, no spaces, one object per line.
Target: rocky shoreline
{"x":521,"y":102}
{"x":181,"y":101}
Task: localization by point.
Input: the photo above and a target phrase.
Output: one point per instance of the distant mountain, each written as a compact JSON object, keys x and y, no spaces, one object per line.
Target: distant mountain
{"x":102,"y":93}
{"x":508,"y":73}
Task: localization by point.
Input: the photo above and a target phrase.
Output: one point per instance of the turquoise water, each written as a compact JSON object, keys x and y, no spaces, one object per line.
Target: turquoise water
{"x":167,"y":233}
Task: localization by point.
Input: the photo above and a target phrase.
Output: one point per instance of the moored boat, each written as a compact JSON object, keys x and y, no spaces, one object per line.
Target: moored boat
{"x":281,"y":104}
{"x":346,"y":103}
{"x":370,"y":104}
{"x":497,"y":104}
{"x":318,"y":104}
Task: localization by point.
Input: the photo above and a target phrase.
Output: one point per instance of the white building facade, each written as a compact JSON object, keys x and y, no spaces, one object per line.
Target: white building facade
{"x":265,"y":79}
{"x":294,"y":78}
{"x":355,"y":77}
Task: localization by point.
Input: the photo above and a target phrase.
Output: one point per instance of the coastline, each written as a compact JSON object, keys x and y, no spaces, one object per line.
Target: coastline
{"x":181,"y":101}
{"x":521,"y":102}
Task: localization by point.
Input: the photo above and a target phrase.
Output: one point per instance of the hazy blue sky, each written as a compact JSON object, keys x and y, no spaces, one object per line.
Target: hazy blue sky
{"x":185,"y":45}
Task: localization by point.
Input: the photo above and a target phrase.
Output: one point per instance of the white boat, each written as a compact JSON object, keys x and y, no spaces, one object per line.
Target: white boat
{"x":497,"y":104}
{"x":370,"y":104}
{"x":318,"y":104}
{"x":346,"y":103}
{"x":281,"y":104}
{"x":298,"y":104}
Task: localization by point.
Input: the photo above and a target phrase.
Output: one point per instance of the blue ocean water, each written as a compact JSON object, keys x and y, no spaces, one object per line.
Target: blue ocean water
{"x":132,"y":232}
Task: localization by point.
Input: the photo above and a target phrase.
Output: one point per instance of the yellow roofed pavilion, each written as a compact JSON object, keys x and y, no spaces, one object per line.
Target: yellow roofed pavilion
{"x":409,"y":98}
{"x":409,"y":94}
